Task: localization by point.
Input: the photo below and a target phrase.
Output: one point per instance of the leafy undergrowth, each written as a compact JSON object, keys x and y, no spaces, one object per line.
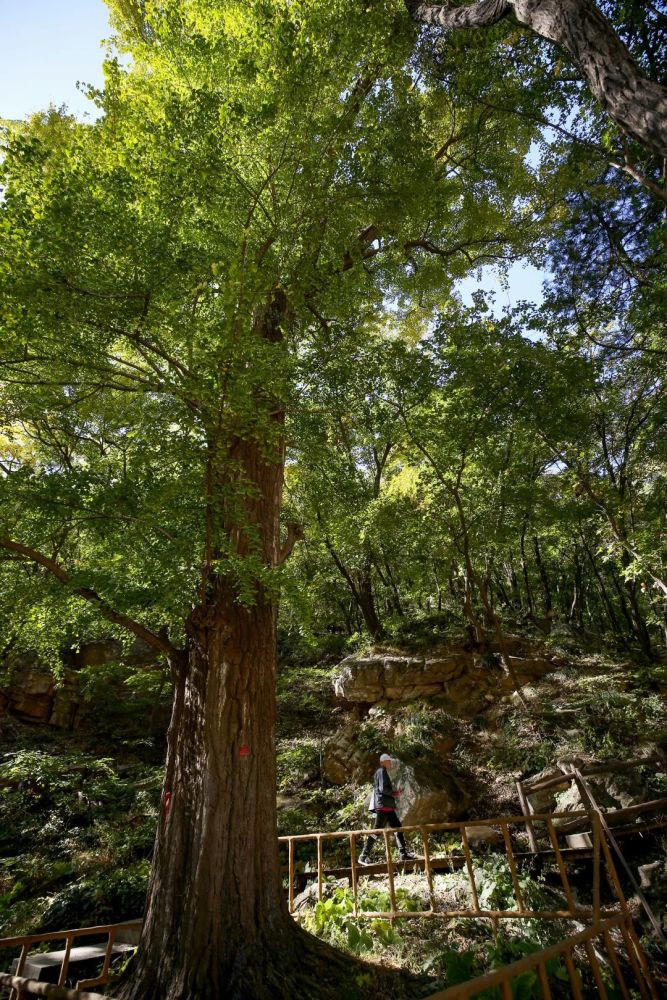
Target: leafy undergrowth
{"x":452,"y":951}
{"x":77,"y":834}
{"x":78,"y":811}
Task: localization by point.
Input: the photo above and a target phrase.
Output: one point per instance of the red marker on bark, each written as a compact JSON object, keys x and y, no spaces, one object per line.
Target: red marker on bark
{"x":244,"y":751}
{"x":165,"y":806}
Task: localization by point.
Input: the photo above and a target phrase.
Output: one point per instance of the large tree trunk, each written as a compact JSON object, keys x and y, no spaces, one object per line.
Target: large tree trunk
{"x":216,"y":919}
{"x":217,"y":923}
{"x":637,"y":105}
{"x":216,"y":914}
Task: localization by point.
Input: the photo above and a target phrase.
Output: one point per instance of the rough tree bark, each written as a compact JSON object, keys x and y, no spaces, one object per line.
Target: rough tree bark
{"x":637,"y":105}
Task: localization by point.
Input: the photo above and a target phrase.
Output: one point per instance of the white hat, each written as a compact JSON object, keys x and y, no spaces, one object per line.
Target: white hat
{"x":385,"y":756}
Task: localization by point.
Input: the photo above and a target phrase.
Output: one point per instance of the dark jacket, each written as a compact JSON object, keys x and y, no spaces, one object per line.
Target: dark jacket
{"x":383,"y":792}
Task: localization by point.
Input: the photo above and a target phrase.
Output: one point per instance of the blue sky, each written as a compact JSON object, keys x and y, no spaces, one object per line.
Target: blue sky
{"x":46,"y":46}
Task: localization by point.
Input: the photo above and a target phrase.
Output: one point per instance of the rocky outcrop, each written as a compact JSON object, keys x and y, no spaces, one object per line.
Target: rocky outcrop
{"x":458,"y":676}
{"x":429,"y":792}
{"x":35,"y":694}
{"x":30,"y":695}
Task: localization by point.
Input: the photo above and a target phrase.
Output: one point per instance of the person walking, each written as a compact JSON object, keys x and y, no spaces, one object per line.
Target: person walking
{"x":383,"y":804}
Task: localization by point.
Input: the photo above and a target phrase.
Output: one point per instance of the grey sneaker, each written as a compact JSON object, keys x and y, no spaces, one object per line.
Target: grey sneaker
{"x":364,"y":860}
{"x":407,"y":856}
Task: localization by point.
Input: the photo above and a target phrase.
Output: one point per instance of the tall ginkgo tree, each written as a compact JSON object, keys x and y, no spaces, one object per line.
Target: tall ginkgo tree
{"x":256,"y":169}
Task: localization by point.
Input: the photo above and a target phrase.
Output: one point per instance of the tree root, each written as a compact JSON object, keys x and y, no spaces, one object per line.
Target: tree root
{"x":297,"y":965}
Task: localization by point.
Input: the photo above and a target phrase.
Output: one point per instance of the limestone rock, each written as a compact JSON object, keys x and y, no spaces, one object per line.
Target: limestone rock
{"x":648,"y":874}
{"x":308,"y":899}
{"x":67,"y":704}
{"x":30,"y":696}
{"x":483,"y":835}
{"x":463,"y":680}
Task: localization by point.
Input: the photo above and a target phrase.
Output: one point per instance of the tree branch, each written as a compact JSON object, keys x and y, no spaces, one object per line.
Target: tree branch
{"x":295,"y":533}
{"x":473,"y":15}
{"x":31,"y":555}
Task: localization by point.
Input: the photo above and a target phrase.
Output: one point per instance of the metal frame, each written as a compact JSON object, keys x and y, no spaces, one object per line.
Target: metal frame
{"x":595,"y":942}
{"x":26,"y":941}
{"x":505,"y":825}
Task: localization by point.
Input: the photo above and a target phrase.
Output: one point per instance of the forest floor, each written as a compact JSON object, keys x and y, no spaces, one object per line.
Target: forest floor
{"x":78,"y":809}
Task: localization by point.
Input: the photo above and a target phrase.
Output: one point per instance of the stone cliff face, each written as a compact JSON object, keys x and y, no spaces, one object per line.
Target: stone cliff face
{"x":462,"y":681}
{"x":34,"y":693}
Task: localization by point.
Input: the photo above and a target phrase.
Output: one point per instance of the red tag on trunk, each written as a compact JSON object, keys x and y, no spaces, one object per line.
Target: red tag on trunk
{"x":244,"y":751}
{"x":165,"y":805}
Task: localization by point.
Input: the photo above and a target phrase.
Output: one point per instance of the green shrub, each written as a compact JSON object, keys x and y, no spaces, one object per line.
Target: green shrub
{"x":334,"y":919}
{"x":103,"y":897}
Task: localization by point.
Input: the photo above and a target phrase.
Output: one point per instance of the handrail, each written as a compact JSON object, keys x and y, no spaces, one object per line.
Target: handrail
{"x":12,"y":942}
{"x":68,"y":936}
{"x":564,"y":949}
{"x":518,"y":908}
{"x":438,"y":827}
{"x":37,"y":989}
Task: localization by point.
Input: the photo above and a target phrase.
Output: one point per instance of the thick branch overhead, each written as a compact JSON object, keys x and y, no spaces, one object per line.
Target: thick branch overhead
{"x":32,"y":555}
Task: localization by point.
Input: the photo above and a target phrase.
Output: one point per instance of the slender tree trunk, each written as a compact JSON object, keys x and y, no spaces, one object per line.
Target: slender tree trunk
{"x":394,"y":587}
{"x":524,"y":568}
{"x":631,"y":590}
{"x":576,"y":607}
{"x":361,"y":588}
{"x":366,"y":601}
{"x":437,"y":584}
{"x":548,"y":605}
{"x":501,"y":588}
{"x":606,"y":600}
{"x":637,"y":105}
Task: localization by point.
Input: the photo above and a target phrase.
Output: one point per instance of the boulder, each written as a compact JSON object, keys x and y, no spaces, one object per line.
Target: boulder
{"x":344,"y":760}
{"x":432,"y":796}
